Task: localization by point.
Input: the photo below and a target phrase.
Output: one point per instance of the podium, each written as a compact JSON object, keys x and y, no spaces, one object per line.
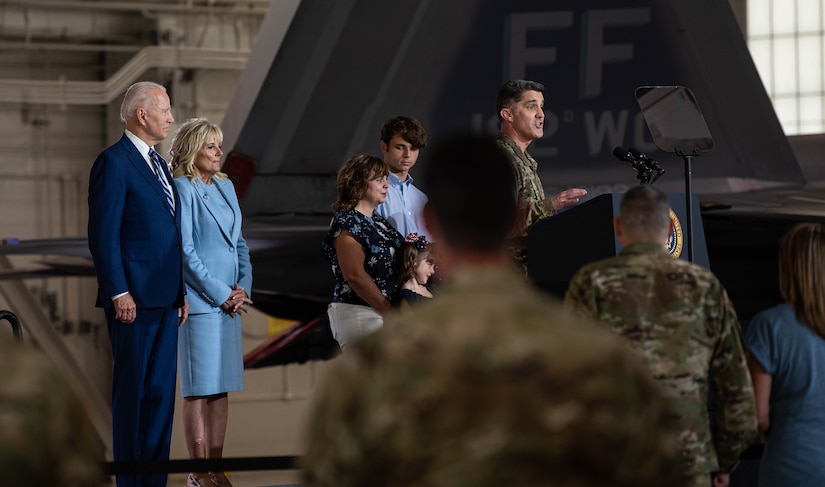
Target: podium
{"x":560,"y":245}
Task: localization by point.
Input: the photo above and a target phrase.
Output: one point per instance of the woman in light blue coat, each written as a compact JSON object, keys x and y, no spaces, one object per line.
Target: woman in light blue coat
{"x":218,"y":273}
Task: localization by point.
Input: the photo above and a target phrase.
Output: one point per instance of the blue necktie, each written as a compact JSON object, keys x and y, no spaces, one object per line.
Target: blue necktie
{"x":164,"y":183}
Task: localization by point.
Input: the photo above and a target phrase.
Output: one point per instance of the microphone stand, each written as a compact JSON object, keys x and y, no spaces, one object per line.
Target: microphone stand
{"x":687,"y":155}
{"x":677,"y":125}
{"x":643,"y":174}
{"x":659,"y":173}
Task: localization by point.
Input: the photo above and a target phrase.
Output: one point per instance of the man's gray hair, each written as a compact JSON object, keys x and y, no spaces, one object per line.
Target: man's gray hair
{"x":137,"y":96}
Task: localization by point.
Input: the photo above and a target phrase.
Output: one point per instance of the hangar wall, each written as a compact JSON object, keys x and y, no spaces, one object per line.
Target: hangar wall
{"x":47,"y":148}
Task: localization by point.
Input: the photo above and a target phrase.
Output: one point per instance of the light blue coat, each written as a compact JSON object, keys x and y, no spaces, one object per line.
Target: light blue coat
{"x":215,"y":254}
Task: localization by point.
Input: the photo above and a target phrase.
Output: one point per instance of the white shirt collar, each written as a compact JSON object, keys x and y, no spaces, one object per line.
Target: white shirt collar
{"x":142,"y":147}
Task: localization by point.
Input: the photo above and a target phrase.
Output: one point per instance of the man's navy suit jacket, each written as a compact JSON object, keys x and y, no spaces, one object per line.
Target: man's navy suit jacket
{"x":134,"y":239}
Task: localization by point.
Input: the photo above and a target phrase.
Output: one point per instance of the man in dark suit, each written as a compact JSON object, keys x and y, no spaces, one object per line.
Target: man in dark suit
{"x":135,"y":241}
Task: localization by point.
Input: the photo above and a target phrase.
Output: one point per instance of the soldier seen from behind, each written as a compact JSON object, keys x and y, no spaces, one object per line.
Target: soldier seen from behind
{"x":677,"y":316}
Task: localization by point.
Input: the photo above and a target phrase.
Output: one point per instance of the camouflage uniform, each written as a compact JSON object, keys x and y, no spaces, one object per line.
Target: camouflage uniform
{"x":678,"y":317}
{"x":534,"y":206}
{"x":489,"y":384}
{"x":46,"y":437}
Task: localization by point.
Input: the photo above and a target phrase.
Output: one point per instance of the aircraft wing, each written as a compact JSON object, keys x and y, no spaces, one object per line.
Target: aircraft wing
{"x":743,"y":232}
{"x":291,"y":278}
{"x":65,"y":246}
{"x":50,"y":268}
{"x":59,"y":257}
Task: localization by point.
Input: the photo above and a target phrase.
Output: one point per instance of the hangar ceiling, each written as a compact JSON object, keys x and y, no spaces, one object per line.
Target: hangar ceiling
{"x":86,"y":52}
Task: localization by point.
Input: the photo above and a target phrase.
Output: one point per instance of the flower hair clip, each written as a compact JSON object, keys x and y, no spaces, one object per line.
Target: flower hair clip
{"x":420,"y":241}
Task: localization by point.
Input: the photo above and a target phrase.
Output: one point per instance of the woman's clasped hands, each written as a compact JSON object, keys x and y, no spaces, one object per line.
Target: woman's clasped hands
{"x":236,"y":302}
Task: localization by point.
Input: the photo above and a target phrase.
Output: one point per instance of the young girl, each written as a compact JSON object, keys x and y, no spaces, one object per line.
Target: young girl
{"x":416,"y":263}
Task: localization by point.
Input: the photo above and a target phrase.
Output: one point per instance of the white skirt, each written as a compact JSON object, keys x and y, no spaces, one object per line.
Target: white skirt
{"x":349,"y":322}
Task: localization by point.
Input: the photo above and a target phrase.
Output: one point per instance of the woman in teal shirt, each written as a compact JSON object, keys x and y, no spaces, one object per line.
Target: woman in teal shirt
{"x":786,"y":357}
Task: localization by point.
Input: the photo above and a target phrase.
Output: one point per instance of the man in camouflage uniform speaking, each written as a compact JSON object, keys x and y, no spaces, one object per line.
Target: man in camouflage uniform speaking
{"x":520,"y":108}
{"x":489,"y":383}
{"x":677,"y":316}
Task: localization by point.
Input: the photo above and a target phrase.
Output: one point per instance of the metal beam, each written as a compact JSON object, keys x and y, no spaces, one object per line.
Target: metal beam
{"x":64,"y":92}
{"x":247,"y":7}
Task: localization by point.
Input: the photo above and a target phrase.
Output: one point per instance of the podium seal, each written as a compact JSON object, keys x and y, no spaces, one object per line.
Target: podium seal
{"x":676,"y":239}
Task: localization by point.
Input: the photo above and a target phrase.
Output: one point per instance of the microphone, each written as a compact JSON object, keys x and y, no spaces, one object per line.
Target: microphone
{"x":649,"y":162}
{"x":642,"y":171}
{"x":625,"y":156}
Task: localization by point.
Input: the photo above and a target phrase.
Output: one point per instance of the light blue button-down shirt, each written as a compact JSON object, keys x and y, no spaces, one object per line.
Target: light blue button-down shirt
{"x":404,"y":206}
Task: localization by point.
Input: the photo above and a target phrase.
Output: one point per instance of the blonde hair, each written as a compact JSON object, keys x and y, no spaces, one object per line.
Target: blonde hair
{"x":801,"y":274}
{"x":188,"y":140}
